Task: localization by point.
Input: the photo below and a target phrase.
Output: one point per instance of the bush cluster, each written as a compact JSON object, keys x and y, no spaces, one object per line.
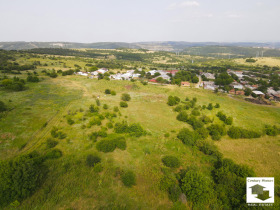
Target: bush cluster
{"x":134,"y":129}
{"x":56,"y":133}
{"x":93,"y":108}
{"x":237,"y":133}
{"x":125,"y":97}
{"x":216,"y":131}
{"x":171,"y":161}
{"x":123,"y":104}
{"x":14,"y":84}
{"x":20,"y":177}
{"x":50,"y":143}
{"x":224,"y":118}
{"x":53,"y":154}
{"x":109,"y":145}
{"x":196,"y":186}
{"x":173,"y":100}
{"x":32,"y":79}
{"x":271,"y":130}
{"x":128,"y":178}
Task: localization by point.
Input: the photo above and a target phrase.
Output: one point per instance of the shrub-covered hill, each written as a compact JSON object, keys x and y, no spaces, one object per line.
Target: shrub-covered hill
{"x":77,"y":148}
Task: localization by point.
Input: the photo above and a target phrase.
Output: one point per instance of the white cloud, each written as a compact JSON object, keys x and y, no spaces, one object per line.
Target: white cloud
{"x":259,"y":4}
{"x":184,"y":4}
{"x":234,"y":16}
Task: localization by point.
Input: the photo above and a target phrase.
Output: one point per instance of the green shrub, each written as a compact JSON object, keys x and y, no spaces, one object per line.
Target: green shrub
{"x":113,"y":93}
{"x":173,"y":100}
{"x":205,"y":119}
{"x":93,"y":108}
{"x":70,"y":121}
{"x":195,"y":112}
{"x":121,"y":127}
{"x":105,"y":106}
{"x":120,"y":143}
{"x":170,"y":161}
{"x":92,"y":160}
{"x":217,"y":105}
{"x":57,"y":134}
{"x":174,"y":193}
{"x":210,"y":106}
{"x":50,"y":143}
{"x":106,"y":146}
{"x":216,"y":131}
{"x":271,"y":130}
{"x":97,"y":102}
{"x":54,"y":154}
{"x":182,"y":116}
{"x":107,"y":91}
{"x":109,"y":125}
{"x":116,"y":109}
{"x":20,"y":177}
{"x":166,"y":135}
{"x":125,"y":97}
{"x":237,"y":132}
{"x":123,"y":104}
{"x":224,"y":118}
{"x":3,"y":107}
{"x":202,"y":133}
{"x":197,"y":187}
{"x":195,"y":123}
{"x":208,"y":149}
{"x":187,"y":137}
{"x":128,"y":178}
{"x":179,"y":108}
{"x":134,"y":129}
{"x":167,"y":181}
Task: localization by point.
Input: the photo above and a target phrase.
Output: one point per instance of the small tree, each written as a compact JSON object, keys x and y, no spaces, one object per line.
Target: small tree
{"x":20,"y":177}
{"x":123,"y":104}
{"x":107,"y":91}
{"x":125,"y":97}
{"x":93,"y":108}
{"x":210,"y":106}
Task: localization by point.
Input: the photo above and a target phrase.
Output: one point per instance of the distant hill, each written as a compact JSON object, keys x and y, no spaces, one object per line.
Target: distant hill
{"x":213,"y":49}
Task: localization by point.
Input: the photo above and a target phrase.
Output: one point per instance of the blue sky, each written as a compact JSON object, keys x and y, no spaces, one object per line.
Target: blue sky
{"x":135,"y":20}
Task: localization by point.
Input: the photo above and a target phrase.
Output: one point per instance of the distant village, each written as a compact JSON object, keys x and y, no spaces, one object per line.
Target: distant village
{"x":238,"y":87}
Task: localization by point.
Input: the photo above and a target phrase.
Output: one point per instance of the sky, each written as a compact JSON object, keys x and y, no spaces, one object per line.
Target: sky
{"x":88,"y":21}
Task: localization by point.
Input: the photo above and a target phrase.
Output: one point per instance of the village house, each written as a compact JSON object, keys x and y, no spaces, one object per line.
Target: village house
{"x":209,"y":85}
{"x":172,"y":72}
{"x":82,"y":73}
{"x":258,"y":93}
{"x":238,"y":86}
{"x":240,"y":92}
{"x":209,"y":75}
{"x":232,"y":92}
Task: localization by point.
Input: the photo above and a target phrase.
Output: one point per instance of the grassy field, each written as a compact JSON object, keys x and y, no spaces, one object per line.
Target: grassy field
{"x":73,"y":185}
{"x":269,"y":61}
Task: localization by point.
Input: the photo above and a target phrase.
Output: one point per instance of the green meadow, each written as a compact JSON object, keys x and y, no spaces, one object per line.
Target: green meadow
{"x":71,"y":184}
